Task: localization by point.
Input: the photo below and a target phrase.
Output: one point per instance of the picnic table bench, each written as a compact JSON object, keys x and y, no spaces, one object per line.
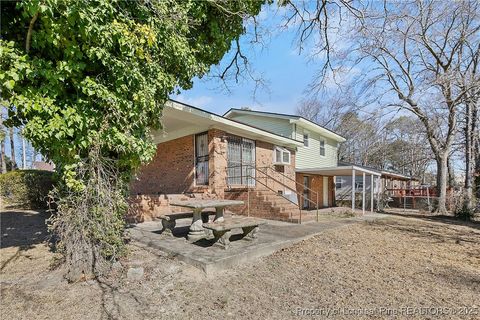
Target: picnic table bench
{"x":197,"y":231}
{"x":222,"y":231}
{"x":169,"y":220}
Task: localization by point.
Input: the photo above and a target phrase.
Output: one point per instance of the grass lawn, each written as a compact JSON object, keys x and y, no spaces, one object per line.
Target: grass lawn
{"x":371,"y":269}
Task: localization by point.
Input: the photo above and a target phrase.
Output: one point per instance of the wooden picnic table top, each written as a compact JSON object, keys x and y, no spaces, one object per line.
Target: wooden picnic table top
{"x":233,"y":223}
{"x":202,"y":204}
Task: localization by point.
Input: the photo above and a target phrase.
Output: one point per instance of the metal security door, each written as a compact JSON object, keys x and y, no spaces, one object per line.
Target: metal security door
{"x":306,"y":192}
{"x":201,"y":159}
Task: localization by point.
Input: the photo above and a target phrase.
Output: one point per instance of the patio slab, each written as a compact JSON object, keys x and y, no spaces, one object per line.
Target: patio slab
{"x":273,"y":236}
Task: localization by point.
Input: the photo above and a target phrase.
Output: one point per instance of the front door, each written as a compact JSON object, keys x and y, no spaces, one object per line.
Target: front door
{"x":325,"y":191}
{"x":306,"y":192}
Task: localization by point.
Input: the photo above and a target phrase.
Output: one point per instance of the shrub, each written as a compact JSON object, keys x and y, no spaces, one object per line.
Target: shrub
{"x":27,"y":189}
{"x":89,"y":225}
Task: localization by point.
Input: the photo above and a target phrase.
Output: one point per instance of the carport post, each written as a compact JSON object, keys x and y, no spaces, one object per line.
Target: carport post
{"x":363,"y":193}
{"x":372,"y":189}
{"x":353,"y":190}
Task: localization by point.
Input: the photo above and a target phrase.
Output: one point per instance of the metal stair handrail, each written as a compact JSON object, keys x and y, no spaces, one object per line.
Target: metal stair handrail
{"x":296,"y":183}
{"x":267,"y":176}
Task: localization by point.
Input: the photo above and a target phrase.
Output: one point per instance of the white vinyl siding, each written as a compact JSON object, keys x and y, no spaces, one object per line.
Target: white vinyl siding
{"x":310,"y":157}
{"x":279,"y":126}
{"x":306,"y":157}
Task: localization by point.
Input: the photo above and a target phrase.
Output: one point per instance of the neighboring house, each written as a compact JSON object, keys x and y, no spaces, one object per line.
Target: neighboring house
{"x":392,"y":181}
{"x":318,"y":152}
{"x":42,"y":165}
{"x":206,"y":155}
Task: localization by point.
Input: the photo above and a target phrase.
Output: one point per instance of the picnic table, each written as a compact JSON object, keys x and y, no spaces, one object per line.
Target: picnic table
{"x":197,"y":230}
{"x":222,"y":231}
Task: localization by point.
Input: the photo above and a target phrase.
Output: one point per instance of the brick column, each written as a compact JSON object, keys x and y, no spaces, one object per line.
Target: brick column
{"x":217,"y":161}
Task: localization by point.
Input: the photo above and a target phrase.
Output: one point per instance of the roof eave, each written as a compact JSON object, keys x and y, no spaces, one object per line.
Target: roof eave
{"x":246,"y":129}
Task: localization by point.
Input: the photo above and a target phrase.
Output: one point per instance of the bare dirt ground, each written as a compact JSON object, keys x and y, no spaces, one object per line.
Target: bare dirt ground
{"x":366,"y":270}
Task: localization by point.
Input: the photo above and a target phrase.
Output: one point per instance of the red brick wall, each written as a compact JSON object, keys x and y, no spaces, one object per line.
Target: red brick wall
{"x":148,"y":207}
{"x":217,"y":161}
{"x":264,"y":158}
{"x":259,"y":207}
{"x":316,"y":184}
{"x":170,"y":171}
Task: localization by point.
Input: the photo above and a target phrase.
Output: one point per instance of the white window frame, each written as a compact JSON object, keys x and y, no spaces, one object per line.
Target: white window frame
{"x":359,"y":183}
{"x":338,"y":180}
{"x":324,"y":149}
{"x":306,"y":134}
{"x":282,"y":151}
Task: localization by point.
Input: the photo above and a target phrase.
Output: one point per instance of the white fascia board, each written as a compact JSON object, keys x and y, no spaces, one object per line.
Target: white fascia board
{"x":339,"y":171}
{"x":258,"y":114}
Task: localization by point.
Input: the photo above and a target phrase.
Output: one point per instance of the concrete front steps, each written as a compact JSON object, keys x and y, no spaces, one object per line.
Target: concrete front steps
{"x":280,"y":206}
{"x":270,"y":205}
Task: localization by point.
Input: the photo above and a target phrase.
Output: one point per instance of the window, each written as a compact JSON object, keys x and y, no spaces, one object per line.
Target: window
{"x":281,"y":156}
{"x":240,"y":161}
{"x":338,"y":183}
{"x":305,"y":139}
{"x":322,"y":147}
{"x":359,"y":183}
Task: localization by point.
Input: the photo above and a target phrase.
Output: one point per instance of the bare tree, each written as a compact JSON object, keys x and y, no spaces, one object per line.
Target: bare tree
{"x":471,"y":123}
{"x":406,"y":147}
{"x":416,"y":51}
{"x":415,"y":55}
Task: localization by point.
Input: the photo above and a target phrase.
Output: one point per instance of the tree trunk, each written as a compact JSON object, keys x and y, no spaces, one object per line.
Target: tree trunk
{"x":451,"y":174}
{"x":442,"y":172}
{"x":2,"y":146}
{"x":470,"y":124}
{"x":2,"y":156}
{"x":34,"y":156}
{"x":477,"y":168}
{"x":24,"y":154}
{"x":12,"y":148}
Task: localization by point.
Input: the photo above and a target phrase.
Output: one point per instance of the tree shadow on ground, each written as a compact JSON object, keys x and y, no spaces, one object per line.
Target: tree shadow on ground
{"x":433,"y":232}
{"x":438,"y":218}
{"x":23,"y":229}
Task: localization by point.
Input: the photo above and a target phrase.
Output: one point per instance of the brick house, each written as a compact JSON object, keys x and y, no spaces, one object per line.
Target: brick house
{"x":318,"y":151}
{"x":316,"y":165}
{"x":204,"y":155}
{"x":282,"y":166}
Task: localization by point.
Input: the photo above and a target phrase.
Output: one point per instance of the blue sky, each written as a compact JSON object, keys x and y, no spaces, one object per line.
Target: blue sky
{"x":287,"y":73}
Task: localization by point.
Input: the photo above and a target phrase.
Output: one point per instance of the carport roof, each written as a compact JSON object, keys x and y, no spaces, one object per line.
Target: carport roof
{"x":339,"y":171}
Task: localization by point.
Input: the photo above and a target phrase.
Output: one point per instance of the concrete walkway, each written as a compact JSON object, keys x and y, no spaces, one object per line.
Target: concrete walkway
{"x":273,"y":236}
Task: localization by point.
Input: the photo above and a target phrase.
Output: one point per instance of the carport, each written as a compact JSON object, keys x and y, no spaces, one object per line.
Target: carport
{"x":353,"y":171}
